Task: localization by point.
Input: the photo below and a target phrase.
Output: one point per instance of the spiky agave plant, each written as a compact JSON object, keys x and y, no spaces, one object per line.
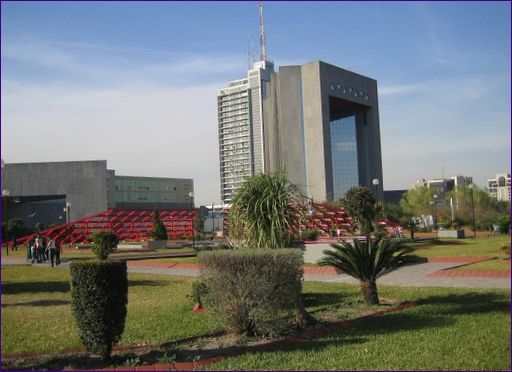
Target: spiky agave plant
{"x":368,"y":261}
{"x":264,"y":212}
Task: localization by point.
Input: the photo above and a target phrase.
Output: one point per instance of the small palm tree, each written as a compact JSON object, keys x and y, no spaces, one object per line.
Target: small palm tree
{"x":264,"y":212}
{"x":368,"y":261}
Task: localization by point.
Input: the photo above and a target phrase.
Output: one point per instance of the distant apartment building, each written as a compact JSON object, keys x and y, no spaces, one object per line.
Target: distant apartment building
{"x":499,"y":187}
{"x":444,"y":185}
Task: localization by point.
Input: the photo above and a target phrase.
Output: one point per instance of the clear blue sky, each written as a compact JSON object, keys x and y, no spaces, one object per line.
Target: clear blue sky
{"x":135,"y":83}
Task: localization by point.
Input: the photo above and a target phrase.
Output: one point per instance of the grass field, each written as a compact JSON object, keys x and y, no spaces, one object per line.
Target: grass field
{"x":448,"y":329}
{"x":497,"y":264}
{"x":36,"y":312}
{"x":469,"y":247}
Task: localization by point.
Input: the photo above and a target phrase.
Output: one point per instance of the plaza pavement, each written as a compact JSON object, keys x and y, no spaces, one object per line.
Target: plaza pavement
{"x":416,"y":275}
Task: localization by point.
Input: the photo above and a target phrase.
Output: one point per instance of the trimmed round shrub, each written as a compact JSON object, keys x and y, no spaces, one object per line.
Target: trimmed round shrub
{"x":103,"y":243}
{"x":99,"y":295}
{"x":199,"y":292}
{"x":253,"y":292}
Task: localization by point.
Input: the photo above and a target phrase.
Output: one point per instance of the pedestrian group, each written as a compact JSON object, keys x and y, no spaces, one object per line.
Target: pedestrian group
{"x":42,"y":249}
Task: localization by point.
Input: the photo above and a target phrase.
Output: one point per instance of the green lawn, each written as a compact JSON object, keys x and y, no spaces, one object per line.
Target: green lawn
{"x":449,"y":329}
{"x":36,"y":312}
{"x":479,"y":247}
{"x":498,"y":264}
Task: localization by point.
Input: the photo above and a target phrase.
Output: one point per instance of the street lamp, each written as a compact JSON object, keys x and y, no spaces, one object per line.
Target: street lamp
{"x":376,"y":183}
{"x":471,"y":187}
{"x":191,"y":196}
{"x":435,"y":211}
{"x":5,"y":194}
{"x":67,"y":210}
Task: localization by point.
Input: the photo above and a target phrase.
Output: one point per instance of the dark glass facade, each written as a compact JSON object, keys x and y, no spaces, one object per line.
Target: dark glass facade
{"x":345,"y":170}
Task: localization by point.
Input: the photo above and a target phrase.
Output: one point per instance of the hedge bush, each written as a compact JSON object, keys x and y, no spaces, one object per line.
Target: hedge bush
{"x":199,"y":292}
{"x":103,"y":243}
{"x":99,"y":295}
{"x":253,"y":292}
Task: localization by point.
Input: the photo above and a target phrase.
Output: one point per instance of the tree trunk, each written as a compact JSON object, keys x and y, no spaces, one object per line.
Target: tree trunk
{"x":106,"y":352}
{"x":369,"y":292}
{"x":303,"y":318}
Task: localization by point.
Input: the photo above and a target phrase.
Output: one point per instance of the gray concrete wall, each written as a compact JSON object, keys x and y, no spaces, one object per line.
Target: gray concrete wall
{"x":83,"y":183}
{"x":298,"y":125}
{"x":314,"y":131}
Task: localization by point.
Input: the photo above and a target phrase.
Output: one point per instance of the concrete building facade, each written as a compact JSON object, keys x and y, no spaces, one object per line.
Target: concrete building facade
{"x":46,"y":192}
{"x":320,"y":125}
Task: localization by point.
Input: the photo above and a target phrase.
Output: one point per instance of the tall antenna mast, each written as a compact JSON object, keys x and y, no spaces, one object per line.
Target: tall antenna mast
{"x":263,"y":42}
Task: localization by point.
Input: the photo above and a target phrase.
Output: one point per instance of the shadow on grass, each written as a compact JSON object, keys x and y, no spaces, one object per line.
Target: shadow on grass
{"x":423,"y":316}
{"x":38,"y":303}
{"x":321,"y":299}
{"x":35,"y":287}
{"x":469,"y":303}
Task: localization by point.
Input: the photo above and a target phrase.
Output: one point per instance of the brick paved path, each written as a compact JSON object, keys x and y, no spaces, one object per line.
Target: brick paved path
{"x":417,"y":275}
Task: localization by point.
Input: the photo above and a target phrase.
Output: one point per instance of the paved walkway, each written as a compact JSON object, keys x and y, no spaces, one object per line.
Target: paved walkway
{"x":417,"y":275}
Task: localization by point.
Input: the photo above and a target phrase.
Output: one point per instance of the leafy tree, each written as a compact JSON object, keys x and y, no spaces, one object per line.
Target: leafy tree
{"x":263,"y":211}
{"x":367,"y":261}
{"x":504,"y":223}
{"x":103,"y":243}
{"x":159,"y":231}
{"x":15,"y":229}
{"x":487,"y":210}
{"x":360,"y":205}
{"x":417,"y":201}
{"x":392,"y":212}
{"x":39,"y":226}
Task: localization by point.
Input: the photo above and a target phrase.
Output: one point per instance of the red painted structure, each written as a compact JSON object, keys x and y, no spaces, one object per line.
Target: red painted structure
{"x":129,"y":224}
{"x":326,"y":218}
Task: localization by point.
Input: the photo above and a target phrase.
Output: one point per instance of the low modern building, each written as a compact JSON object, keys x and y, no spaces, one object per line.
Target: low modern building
{"x":499,"y":187}
{"x":56,"y":192}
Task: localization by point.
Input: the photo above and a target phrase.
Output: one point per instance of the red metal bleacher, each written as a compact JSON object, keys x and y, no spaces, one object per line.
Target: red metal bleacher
{"x":129,"y":224}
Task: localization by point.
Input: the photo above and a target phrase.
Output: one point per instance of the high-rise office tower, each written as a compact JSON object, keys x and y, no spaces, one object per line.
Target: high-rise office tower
{"x":317,"y":122}
{"x":241,"y":129}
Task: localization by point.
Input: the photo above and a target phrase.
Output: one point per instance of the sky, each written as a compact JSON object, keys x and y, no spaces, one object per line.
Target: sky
{"x":136,"y":83}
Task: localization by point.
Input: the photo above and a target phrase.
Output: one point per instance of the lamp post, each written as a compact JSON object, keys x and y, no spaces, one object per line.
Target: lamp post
{"x":376,"y":183}
{"x":191,"y":196}
{"x":5,"y":194}
{"x":435,"y":211}
{"x":471,"y":187}
{"x":68,"y":211}
{"x":213,"y":217}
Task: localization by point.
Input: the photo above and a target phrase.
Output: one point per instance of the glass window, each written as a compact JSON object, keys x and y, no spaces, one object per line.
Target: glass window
{"x":345,"y":170}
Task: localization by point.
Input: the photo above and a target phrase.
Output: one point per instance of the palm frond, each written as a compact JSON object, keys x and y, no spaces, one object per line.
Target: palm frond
{"x":367,"y":260}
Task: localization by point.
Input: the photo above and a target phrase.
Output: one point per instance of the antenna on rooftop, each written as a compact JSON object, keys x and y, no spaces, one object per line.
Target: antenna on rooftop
{"x":263,"y":42}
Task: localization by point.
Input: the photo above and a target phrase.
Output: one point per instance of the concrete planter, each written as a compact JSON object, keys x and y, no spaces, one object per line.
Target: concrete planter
{"x":458,"y":234}
{"x":157,"y":244}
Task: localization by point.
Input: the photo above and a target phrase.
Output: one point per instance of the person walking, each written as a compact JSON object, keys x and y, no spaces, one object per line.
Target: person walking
{"x":52,"y":251}
{"x":37,"y":249}
{"x":58,"y":250}
{"x":14,"y":244}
